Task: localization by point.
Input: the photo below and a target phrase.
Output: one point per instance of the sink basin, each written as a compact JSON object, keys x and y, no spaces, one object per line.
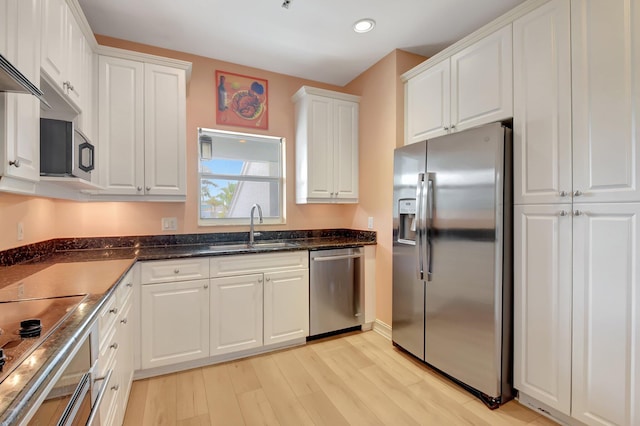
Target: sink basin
{"x":258,"y":245}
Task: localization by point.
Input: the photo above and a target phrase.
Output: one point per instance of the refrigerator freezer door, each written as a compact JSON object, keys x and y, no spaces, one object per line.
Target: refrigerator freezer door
{"x":408,"y":288}
{"x":464,"y":296}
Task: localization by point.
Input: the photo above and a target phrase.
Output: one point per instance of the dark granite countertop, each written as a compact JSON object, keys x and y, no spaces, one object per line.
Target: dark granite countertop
{"x":55,"y":261}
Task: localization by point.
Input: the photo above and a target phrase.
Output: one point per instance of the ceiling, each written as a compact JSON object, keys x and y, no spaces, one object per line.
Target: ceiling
{"x":312,"y":39}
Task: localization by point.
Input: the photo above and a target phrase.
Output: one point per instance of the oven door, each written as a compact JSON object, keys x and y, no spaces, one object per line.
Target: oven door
{"x":69,"y":400}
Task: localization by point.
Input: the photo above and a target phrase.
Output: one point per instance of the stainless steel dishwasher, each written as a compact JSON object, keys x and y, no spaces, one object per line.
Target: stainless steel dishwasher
{"x":336,"y":293}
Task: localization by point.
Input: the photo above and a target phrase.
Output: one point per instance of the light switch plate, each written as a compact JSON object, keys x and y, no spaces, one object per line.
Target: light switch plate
{"x":20,"y":235}
{"x":169,"y":223}
{"x":370,"y":222}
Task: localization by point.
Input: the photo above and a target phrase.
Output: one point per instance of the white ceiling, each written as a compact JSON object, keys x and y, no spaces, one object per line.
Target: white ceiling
{"x":313,"y":39}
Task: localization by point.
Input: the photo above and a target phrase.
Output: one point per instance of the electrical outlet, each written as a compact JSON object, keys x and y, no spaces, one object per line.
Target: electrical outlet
{"x":20,"y":231}
{"x":169,"y":223}
{"x":370,"y":222}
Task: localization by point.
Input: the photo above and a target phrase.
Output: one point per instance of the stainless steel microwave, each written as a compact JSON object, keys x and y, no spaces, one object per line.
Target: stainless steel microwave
{"x":64,"y":150}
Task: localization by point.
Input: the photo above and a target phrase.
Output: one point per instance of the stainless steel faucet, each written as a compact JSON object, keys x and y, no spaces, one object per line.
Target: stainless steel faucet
{"x":251,"y":233}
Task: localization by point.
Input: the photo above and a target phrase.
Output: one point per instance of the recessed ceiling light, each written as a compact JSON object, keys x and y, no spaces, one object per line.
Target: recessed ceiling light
{"x":364,"y":25}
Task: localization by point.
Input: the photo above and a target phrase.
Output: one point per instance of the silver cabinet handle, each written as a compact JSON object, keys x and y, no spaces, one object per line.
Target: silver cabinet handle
{"x":453,"y":126}
{"x":139,"y":188}
{"x":176,"y":271}
{"x":115,"y":387}
{"x":577,"y":193}
{"x":15,"y":163}
{"x":114,"y":345}
{"x":563,"y":193}
{"x":206,"y":286}
{"x":260,"y":280}
{"x":446,"y":127}
{"x":123,"y":321}
{"x":113,"y":310}
{"x":268,"y":278}
{"x":563,"y":213}
{"x":129,"y":284}
{"x":148,"y":188}
{"x":577,"y":213}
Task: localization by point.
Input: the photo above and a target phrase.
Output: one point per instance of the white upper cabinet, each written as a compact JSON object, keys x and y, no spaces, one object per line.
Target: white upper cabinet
{"x":606,"y":314}
{"x":472,"y":87}
{"x":542,"y":105}
{"x":165,"y":127}
{"x":142,"y":128}
{"x":606,"y":106}
{"x":326,"y":146}
{"x":121,"y":125}
{"x":481,"y":81}
{"x":20,"y":113}
{"x":428,"y":103}
{"x":64,"y":51}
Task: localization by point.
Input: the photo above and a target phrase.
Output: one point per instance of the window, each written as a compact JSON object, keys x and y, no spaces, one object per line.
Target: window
{"x":236,"y":171}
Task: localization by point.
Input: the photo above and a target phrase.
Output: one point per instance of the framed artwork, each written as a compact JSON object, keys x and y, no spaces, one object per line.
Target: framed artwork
{"x":241,"y":101}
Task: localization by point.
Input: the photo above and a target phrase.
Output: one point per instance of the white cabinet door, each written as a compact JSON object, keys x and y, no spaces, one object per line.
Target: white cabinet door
{"x":606,"y":111}
{"x":54,"y":39}
{"x":165,"y":130}
{"x":482,"y":82}
{"x":76,"y":48}
{"x":345,"y":150}
{"x":20,"y":113}
{"x":320,"y":148}
{"x":121,"y":125}
{"x":542,"y":303}
{"x":606,"y":314}
{"x":428,"y":104}
{"x":174,"y":322}
{"x":542,"y":105}
{"x":326,"y":146}
{"x":236,"y":313}
{"x":286,"y":306}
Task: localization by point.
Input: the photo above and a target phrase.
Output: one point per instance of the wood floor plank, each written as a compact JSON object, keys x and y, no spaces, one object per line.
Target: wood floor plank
{"x":321,"y":410}
{"x":354,"y":379}
{"x":223,"y":405}
{"x":384,"y":409}
{"x":191,"y":395}
{"x":348,"y":403}
{"x":243,"y":376}
{"x":160,"y":406}
{"x":135,"y":406}
{"x":256,"y":409}
{"x":298,"y":378}
{"x":286,"y":406}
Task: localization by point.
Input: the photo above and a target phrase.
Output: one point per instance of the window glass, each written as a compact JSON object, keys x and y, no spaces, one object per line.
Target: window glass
{"x":237,"y":170}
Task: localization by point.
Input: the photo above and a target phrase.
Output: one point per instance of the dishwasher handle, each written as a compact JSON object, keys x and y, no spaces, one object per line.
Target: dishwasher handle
{"x":341,"y":257}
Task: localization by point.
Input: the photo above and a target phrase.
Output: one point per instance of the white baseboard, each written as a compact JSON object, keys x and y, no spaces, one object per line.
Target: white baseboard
{"x":382,"y":329}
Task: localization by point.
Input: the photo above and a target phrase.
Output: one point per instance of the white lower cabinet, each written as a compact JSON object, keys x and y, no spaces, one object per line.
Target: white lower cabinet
{"x":236,"y":313}
{"x":174,"y":322}
{"x":286,"y":306}
{"x":240,"y":304}
{"x":577,"y":311}
{"x":542,"y":304}
{"x":115,"y":352}
{"x":606,"y":314}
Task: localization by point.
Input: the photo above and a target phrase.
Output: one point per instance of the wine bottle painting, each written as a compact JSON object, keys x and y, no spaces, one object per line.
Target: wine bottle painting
{"x":241,"y":101}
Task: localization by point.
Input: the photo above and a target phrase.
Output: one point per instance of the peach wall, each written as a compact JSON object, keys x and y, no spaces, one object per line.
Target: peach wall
{"x":68,"y":218}
{"x":381,"y":130}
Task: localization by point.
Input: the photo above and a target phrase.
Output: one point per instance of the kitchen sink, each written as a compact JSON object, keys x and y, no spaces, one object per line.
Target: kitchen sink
{"x":258,"y":245}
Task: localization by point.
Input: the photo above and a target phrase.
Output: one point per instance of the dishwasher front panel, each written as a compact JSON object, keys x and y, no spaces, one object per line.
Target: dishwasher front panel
{"x":336,"y":296}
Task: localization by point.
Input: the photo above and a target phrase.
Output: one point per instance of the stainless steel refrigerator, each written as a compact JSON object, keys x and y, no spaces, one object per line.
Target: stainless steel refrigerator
{"x":452,"y":257}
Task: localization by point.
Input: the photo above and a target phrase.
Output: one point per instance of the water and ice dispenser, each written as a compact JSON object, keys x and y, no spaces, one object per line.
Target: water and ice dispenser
{"x":407,"y":212}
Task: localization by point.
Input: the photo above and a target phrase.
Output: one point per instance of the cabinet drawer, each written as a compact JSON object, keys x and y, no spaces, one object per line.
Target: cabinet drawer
{"x":258,"y":263}
{"x":125,"y":288}
{"x":107,"y":317}
{"x":174,"y":270}
{"x":108,"y":351}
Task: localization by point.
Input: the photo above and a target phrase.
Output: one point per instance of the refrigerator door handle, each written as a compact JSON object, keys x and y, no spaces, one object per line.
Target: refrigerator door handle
{"x":420,"y":226}
{"x":427,"y":229}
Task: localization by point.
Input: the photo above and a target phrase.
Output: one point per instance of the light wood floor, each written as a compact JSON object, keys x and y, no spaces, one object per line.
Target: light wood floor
{"x":358,"y":379}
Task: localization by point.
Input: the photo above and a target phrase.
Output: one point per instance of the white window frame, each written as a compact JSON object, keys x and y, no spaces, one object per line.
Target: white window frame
{"x":244,"y":221}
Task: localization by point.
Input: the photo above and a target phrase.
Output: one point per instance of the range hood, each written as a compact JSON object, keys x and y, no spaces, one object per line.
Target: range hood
{"x":12,"y":80}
